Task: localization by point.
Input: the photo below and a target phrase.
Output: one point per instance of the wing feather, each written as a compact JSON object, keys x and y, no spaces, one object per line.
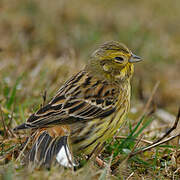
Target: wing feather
{"x":82,"y":98}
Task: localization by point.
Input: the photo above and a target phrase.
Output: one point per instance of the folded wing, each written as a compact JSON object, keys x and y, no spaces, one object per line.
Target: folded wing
{"x":82,"y":98}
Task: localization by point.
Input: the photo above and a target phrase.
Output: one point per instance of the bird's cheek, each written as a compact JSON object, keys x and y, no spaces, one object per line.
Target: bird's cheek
{"x":121,"y":74}
{"x":106,"y":68}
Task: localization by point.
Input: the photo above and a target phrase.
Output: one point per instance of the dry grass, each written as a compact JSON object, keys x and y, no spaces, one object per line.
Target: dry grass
{"x":44,"y":42}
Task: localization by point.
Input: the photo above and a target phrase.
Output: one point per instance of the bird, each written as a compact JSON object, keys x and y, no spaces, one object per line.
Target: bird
{"x":88,"y":109}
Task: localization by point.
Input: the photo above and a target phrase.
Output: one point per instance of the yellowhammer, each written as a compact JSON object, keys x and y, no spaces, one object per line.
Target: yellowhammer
{"x":87,"y":110}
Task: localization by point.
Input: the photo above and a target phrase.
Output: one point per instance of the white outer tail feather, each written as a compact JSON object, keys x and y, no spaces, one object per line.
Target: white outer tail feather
{"x":64,"y":157}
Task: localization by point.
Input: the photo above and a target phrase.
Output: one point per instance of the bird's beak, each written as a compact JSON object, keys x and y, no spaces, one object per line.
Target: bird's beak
{"x":134,"y":58}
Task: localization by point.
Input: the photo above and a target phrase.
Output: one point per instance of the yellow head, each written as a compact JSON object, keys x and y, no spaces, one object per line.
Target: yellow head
{"x":114,"y":60}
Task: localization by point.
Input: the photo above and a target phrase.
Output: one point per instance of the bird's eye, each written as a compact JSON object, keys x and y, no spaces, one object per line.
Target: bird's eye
{"x":120,"y":59}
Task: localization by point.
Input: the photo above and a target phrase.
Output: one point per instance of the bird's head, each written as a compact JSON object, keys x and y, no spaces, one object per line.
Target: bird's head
{"x":114,"y":60}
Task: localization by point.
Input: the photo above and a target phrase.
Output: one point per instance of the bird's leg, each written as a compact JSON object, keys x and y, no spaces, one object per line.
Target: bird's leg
{"x":100,"y":162}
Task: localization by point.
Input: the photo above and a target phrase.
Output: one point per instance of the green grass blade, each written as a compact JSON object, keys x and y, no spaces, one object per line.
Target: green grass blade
{"x":130,"y":136}
{"x":13,"y":94}
{"x":146,"y":124}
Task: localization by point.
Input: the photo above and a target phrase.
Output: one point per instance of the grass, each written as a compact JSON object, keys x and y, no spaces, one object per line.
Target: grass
{"x":44,"y":43}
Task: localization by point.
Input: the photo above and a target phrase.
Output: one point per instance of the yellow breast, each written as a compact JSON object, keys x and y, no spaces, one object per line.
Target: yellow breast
{"x":94,"y":133}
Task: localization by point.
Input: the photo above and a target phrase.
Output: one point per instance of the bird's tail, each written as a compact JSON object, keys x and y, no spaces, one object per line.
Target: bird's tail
{"x":50,"y":145}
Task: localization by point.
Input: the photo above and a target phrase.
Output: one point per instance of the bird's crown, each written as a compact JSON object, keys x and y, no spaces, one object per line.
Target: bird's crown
{"x":115,"y":52}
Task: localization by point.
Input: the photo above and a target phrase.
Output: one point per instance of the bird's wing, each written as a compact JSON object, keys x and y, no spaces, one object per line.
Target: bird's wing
{"x":82,"y":98}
